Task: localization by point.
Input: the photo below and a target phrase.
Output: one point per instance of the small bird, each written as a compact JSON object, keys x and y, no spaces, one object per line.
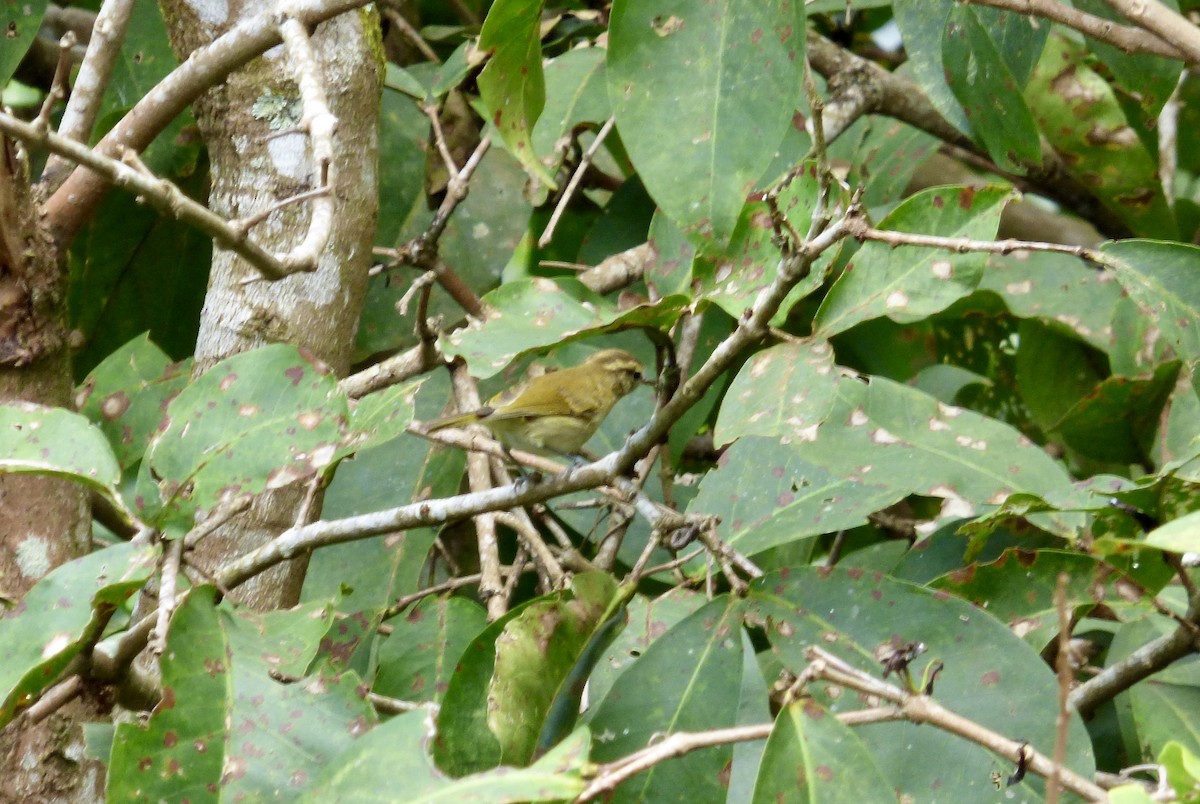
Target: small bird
{"x":556,"y":413}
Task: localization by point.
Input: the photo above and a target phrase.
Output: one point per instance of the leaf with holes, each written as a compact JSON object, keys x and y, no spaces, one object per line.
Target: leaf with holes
{"x":258,"y":420}
{"x":908,"y":283}
{"x":989,"y":675}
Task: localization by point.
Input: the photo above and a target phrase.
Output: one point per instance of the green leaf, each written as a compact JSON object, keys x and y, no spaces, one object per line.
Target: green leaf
{"x":908,"y":283}
{"x":1079,"y":115}
{"x":464,"y":742}
{"x":1062,"y":292}
{"x":1180,"y":535}
{"x":990,"y":676}
{"x":766,"y":495}
{"x":126,"y":394}
{"x":733,"y":276}
{"x":671,"y":270}
{"x":181,"y":752}
{"x":1161,"y":278}
{"x":281,"y":735}
{"x":1054,"y":372}
{"x":529,"y":314}
{"x":923,"y":23}
{"x":392,"y":763}
{"x":989,"y":92}
{"x":1183,"y":769}
{"x":380,"y":416}
{"x":703,"y":95}
{"x":258,"y":420}
{"x":543,"y":658}
{"x":417,"y":658}
{"x":686,"y":681}
{"x":812,"y":757}
{"x":649,"y":618}
{"x":19,"y":23}
{"x":1165,"y":706}
{"x":784,"y":391}
{"x":52,"y":441}
{"x":40,"y":636}
{"x":900,"y":438}
{"x":369,"y":574}
{"x":512,"y":85}
{"x":1119,"y":417}
{"x":1018,"y":588}
{"x":1154,"y":77}
{"x":575,"y":95}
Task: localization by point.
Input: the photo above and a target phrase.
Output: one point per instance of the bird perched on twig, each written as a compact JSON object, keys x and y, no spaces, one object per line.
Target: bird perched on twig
{"x":556,"y":413}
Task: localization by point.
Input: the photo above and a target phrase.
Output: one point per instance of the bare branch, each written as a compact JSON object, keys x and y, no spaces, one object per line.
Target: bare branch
{"x":104,"y":47}
{"x":1130,"y":40}
{"x":159,"y":193}
{"x":1169,"y":25}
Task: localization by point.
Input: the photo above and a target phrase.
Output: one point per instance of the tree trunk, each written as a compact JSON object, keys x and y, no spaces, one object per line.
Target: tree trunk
{"x":256,"y":162}
{"x":44,"y":521}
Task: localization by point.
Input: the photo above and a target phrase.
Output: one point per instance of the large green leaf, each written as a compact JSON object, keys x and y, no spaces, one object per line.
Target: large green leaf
{"x":812,"y":758}
{"x":989,"y":675}
{"x":1078,"y":113}
{"x":897,"y":437}
{"x":909,"y":283}
{"x":1062,"y":292}
{"x":126,"y":394}
{"x":1018,"y":588}
{"x":52,"y":441}
{"x":256,"y":421}
{"x":686,"y":681}
{"x":512,"y":85}
{"x":989,"y":92}
{"x":283,"y":733}
{"x":649,"y":618}
{"x":543,"y":659}
{"x":1162,"y":278}
{"x":19,"y":23}
{"x":923,"y":24}
{"x":181,"y":752}
{"x":416,"y":659}
{"x":784,"y":391}
{"x":703,"y":95}
{"x":45,"y":630}
{"x":1166,"y":706}
{"x":369,"y":574}
{"x":766,"y":494}
{"x":392,"y":763}
{"x":575,"y":95}
{"x":529,"y":314}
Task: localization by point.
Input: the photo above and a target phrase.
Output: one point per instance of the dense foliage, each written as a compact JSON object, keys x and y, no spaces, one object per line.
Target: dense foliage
{"x":911,"y":512}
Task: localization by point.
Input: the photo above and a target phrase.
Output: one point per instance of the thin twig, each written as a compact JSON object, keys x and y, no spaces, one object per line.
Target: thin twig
{"x":573,"y":184}
{"x":1062,"y":666}
{"x":479,"y":478}
{"x":167,"y":600}
{"x":321,"y":124}
{"x":58,"y":86}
